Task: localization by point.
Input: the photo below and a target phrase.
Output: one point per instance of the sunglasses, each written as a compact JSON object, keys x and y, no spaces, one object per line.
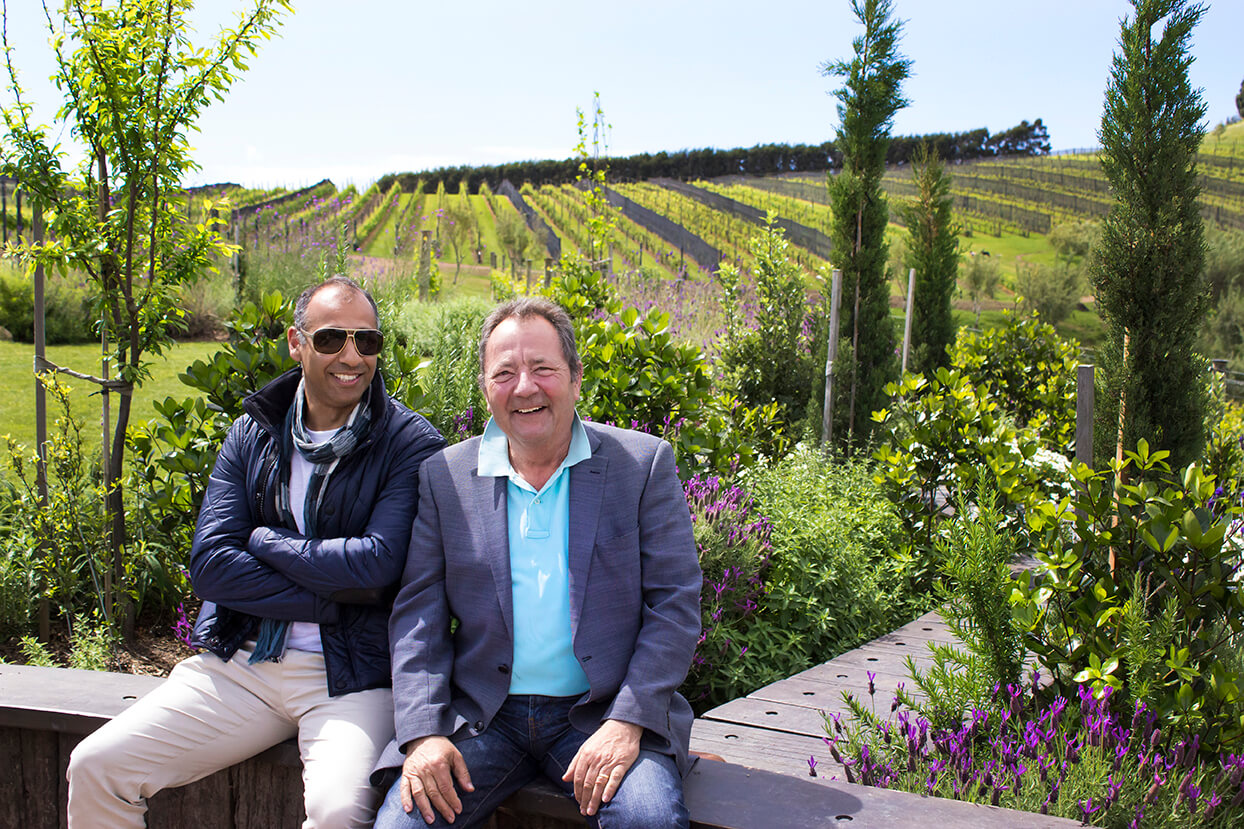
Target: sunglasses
{"x":368,"y":341}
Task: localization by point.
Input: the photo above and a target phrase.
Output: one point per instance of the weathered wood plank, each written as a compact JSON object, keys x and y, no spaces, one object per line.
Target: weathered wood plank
{"x":773,"y":716}
{"x":267,"y":795}
{"x":204,"y":804}
{"x":759,"y":748}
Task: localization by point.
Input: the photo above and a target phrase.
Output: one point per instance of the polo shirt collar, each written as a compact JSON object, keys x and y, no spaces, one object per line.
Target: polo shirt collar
{"x":494,"y":450}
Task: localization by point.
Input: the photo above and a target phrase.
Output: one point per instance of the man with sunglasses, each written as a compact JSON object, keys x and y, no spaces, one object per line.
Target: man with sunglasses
{"x":300,"y":543}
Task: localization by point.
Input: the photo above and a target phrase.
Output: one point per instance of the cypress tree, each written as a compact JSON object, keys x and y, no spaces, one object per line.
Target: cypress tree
{"x":1148,"y":270}
{"x":933,"y":250}
{"x":868,"y":99}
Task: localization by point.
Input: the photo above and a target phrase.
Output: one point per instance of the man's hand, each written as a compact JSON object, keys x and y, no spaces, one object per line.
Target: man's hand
{"x":601,"y":762}
{"x":432,"y":764}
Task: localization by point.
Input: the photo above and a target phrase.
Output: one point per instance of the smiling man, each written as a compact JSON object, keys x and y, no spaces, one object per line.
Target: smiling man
{"x":564,"y":551}
{"x":301,"y":538}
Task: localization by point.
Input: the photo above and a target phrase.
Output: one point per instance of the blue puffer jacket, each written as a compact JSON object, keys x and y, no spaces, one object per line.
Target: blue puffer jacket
{"x":244,"y":564}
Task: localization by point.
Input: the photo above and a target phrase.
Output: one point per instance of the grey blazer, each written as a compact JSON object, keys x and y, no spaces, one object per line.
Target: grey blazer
{"x":634,"y":596}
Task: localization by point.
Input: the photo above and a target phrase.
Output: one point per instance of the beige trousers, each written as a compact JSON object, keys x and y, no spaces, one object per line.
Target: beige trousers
{"x":210,"y":714}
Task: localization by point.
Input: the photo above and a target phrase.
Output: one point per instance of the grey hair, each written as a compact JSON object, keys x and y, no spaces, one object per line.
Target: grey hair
{"x":304,"y":299}
{"x":525,"y":308}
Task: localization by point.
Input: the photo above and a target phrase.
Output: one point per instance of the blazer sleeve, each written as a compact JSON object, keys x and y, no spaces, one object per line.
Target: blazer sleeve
{"x":222,"y":569}
{"x":361,"y":568}
{"x":419,"y":638}
{"x":670,"y":581}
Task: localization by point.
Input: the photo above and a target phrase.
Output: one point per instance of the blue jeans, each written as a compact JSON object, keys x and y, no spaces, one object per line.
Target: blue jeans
{"x":530,"y":736}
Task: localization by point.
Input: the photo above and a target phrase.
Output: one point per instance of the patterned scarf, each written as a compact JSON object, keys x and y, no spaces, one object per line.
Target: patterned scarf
{"x":270,"y":640}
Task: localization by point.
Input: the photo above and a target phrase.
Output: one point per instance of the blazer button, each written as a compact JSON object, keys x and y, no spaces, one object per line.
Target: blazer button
{"x":479,"y":725}
{"x":505,"y":669}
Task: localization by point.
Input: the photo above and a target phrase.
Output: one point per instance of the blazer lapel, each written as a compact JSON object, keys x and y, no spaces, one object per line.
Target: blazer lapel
{"x":490,"y":503}
{"x":587,"y":490}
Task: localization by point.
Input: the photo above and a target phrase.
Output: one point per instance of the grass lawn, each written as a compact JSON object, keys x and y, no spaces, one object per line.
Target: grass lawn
{"x":17,"y":386}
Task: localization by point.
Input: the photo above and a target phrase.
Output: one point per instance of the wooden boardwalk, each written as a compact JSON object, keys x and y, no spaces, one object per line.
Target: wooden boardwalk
{"x":778,"y":727}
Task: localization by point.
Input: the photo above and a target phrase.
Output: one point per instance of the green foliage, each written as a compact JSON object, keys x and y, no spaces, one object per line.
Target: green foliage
{"x":772,"y":362}
{"x":834,"y":578}
{"x":36,"y":653}
{"x":1122,"y":574}
{"x":945,"y":435}
{"x":1224,"y":444}
{"x":1051,"y":291}
{"x":67,"y":309}
{"x":1148,"y":273}
{"x":1074,"y":241}
{"x":869,"y":98}
{"x":933,"y":250}
{"x":514,"y":237}
{"x":1030,"y":372}
{"x":981,"y":276}
{"x":976,"y":553}
{"x":444,"y":386}
{"x":17,"y":584}
{"x":592,"y":174}
{"x":458,"y":229}
{"x":732,"y":540}
{"x":134,"y":86}
{"x":175,"y":451}
{"x":636,"y":375}
{"x":64,"y":540}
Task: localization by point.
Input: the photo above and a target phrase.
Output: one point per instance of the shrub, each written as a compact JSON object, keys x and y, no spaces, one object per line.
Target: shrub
{"x":732,"y":540}
{"x":976,"y":554}
{"x":64,"y":538}
{"x":1079,"y":759}
{"x":1139,"y":591}
{"x":946,"y":436}
{"x":772,"y":360}
{"x":68,"y":317}
{"x":834,"y":579}
{"x":635,"y":374}
{"x":444,"y":386}
{"x":1030,"y":372}
{"x":1051,"y":291}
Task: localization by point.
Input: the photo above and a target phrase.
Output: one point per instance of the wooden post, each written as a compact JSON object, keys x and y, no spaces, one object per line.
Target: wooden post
{"x":1084,"y":413}
{"x":1119,"y":478}
{"x":831,"y":354}
{"x":911,"y":292}
{"x":41,"y":414}
{"x":548,"y":271}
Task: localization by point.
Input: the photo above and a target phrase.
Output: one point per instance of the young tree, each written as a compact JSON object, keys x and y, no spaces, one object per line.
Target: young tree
{"x":868,"y":100}
{"x":514,"y":236}
{"x":933,"y":250}
{"x":769,"y":362}
{"x":981,"y":276}
{"x":134,"y":85}
{"x":1149,"y":271}
{"x":457,"y":231}
{"x":1239,"y":100}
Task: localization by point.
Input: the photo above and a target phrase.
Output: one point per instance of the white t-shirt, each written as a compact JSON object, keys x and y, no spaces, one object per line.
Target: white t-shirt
{"x":303,"y":636}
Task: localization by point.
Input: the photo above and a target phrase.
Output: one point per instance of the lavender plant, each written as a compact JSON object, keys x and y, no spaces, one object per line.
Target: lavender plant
{"x":732,"y":539}
{"x":1079,"y":758}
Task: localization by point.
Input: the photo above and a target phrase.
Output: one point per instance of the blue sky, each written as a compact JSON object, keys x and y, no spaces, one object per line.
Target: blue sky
{"x":351,"y":91}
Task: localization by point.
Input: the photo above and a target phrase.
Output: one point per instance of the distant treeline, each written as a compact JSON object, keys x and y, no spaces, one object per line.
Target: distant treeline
{"x":761,"y":160}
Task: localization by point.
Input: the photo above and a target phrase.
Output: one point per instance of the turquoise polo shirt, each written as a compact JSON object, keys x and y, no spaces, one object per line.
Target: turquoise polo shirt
{"x":539,"y":538}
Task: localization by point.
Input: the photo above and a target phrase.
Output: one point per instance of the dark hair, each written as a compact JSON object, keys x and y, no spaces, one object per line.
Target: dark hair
{"x":304,"y":299}
{"x":525,"y":308}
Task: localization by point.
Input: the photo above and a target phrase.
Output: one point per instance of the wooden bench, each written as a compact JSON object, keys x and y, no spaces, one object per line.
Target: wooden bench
{"x":44,"y":712}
